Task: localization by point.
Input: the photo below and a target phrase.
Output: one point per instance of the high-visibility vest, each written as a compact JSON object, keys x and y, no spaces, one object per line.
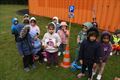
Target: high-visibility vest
{"x":116,"y":39}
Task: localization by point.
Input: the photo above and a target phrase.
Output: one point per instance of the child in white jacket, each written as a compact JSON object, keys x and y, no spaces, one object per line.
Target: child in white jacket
{"x":51,"y":42}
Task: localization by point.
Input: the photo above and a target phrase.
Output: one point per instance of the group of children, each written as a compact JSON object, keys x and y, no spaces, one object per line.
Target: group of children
{"x":31,"y":48}
{"x":94,"y":50}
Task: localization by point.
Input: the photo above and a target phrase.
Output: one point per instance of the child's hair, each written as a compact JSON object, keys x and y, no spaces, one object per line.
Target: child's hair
{"x":51,"y":25}
{"x":117,"y":31}
{"x":92,"y":32}
{"x":105,"y":33}
{"x":26,"y":21}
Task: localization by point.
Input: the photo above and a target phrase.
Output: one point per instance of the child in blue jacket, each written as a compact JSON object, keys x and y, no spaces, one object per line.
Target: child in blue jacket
{"x":27,"y":48}
{"x":37,"y":48}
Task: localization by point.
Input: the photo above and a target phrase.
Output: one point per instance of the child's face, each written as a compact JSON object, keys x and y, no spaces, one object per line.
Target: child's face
{"x":16,"y":22}
{"x":51,"y":30}
{"x":33,"y":23}
{"x":106,"y":39}
{"x":54,"y":20}
{"x":63,"y":27}
{"x":118,"y":35}
{"x":85,"y":29}
{"x":93,"y":38}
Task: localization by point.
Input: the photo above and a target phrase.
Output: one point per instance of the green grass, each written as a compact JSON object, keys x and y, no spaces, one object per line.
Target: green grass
{"x":11,"y":67}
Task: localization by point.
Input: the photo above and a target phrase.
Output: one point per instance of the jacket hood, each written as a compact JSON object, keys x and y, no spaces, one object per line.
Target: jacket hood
{"x":56,"y":19}
{"x":52,"y":24}
{"x":14,"y":21}
{"x":88,"y":24}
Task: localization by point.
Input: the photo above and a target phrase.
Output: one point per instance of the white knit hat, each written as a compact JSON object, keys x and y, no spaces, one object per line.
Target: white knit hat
{"x":32,"y":18}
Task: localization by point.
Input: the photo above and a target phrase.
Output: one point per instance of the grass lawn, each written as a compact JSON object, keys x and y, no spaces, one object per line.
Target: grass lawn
{"x":11,"y":67}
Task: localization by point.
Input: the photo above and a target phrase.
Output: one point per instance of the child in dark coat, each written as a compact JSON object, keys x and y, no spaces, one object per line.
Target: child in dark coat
{"x":89,"y":53}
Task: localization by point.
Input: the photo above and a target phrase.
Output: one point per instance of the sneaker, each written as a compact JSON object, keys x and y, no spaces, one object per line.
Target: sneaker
{"x":59,"y":53}
{"x":33,"y":66}
{"x":99,"y":77}
{"x":48,"y":67}
{"x":90,"y":79}
{"x":56,"y":66}
{"x":45,"y":59}
{"x":27,"y":69}
{"x":111,"y":53}
{"x":80,"y":75}
{"x":93,"y":73}
{"x":117,"y":53}
{"x":64,"y":52}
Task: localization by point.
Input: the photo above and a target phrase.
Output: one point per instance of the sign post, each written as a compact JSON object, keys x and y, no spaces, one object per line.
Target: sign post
{"x":70,"y":16}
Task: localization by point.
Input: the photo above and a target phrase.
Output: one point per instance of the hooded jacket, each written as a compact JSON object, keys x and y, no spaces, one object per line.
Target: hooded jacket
{"x":26,"y":43}
{"x":57,"y":25}
{"x":16,"y":28}
{"x":90,"y":51}
{"x":50,"y":40}
{"x":82,"y":34}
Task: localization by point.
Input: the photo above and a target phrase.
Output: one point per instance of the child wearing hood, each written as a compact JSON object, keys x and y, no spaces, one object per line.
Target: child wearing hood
{"x":80,"y":38}
{"x":106,"y":49}
{"x":116,"y":42}
{"x":95,"y":24}
{"x":27,"y":48}
{"x":26,"y":19}
{"x":55,"y":21}
{"x":33,"y":26}
{"x":37,"y":54}
{"x":51,"y":42}
{"x":89,"y":53}
{"x":83,"y":33}
{"x":16,"y":29}
{"x":63,"y":33}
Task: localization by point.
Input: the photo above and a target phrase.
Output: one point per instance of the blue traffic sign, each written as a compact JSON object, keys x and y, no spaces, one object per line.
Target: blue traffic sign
{"x":71,"y":8}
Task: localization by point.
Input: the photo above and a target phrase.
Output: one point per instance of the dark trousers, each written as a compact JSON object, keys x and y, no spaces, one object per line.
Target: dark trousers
{"x":41,"y":57}
{"x":52,"y":58}
{"x":62,"y":47}
{"x":27,"y":60}
{"x":89,"y":66}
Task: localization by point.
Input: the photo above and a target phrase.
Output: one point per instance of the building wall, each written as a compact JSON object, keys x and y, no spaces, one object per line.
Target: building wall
{"x":107,"y":12}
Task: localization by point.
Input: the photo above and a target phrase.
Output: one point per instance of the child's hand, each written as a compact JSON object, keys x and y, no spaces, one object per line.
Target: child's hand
{"x":45,"y":46}
{"x":94,"y":65}
{"x":55,"y":46}
{"x":81,"y":61}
